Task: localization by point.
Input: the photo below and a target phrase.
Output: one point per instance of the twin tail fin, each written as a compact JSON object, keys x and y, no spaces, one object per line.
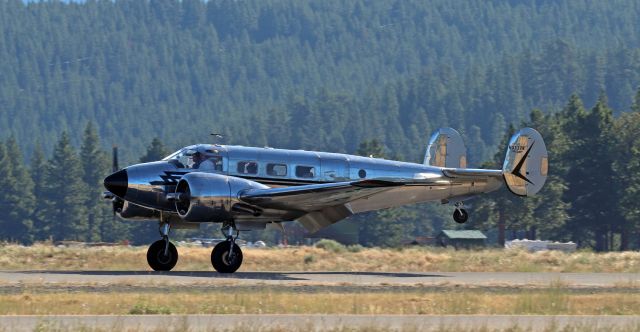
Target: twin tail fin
{"x":526,"y":163}
{"x":446,"y":149}
{"x":525,"y":167}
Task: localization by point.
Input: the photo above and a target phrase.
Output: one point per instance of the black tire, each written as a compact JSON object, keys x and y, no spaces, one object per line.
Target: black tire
{"x":220,"y":257}
{"x":460,"y":216}
{"x":157,"y":259}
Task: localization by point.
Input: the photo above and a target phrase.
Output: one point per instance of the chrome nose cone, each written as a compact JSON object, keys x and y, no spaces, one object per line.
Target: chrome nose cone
{"x":117,"y":183}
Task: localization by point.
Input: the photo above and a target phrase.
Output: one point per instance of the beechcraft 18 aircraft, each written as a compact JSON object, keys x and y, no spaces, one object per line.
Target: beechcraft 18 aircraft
{"x":248,"y":188}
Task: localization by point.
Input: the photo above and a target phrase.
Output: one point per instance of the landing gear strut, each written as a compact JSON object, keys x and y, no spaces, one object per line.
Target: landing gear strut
{"x":226,"y":256}
{"x":162,"y":254}
{"x":460,"y":215}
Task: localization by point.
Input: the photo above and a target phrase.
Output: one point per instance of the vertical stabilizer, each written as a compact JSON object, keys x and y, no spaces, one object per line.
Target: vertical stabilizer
{"x":526,"y":163}
{"x":446,"y":149}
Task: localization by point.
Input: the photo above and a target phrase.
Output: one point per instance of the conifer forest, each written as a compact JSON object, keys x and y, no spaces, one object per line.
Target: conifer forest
{"x":359,"y":77}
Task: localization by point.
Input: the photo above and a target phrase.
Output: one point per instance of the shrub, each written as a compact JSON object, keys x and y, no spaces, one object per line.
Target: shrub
{"x":355,"y":248}
{"x":308,"y":259}
{"x":331,"y":245}
{"x":145,"y":309}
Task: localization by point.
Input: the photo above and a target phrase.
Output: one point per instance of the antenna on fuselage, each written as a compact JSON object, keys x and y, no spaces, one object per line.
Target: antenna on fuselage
{"x":217,"y":136}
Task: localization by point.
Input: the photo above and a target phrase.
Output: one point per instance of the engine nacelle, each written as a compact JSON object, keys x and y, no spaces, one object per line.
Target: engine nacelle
{"x":210,"y":197}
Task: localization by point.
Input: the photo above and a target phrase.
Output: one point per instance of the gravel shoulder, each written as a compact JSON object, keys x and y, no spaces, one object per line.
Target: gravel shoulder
{"x":142,"y":279}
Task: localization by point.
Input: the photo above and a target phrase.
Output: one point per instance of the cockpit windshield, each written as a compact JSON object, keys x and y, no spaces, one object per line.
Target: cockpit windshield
{"x":196,"y":157}
{"x":173,"y":155}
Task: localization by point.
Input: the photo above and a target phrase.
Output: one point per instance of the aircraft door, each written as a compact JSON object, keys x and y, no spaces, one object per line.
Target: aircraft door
{"x":334,"y":170}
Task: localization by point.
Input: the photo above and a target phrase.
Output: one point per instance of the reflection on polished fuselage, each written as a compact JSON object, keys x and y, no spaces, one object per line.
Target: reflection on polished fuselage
{"x":237,"y":168}
{"x":246,"y":188}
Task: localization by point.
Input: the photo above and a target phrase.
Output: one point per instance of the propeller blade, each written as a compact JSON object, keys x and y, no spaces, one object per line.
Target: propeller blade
{"x":115,"y":167}
{"x":116,"y":202}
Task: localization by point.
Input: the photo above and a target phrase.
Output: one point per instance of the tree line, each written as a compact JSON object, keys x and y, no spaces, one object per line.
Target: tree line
{"x":398,"y":68}
{"x":590,"y":196}
{"x":335,"y":76}
{"x":58,"y":197}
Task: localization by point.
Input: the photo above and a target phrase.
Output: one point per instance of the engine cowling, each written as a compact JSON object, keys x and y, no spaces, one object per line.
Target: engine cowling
{"x":211,"y":197}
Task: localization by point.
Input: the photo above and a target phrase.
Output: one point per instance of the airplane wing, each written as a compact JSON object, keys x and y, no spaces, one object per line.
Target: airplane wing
{"x":314,"y":197}
{"x":320,"y":205}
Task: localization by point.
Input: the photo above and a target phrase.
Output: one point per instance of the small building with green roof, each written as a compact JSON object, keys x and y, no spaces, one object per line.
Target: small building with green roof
{"x":461,"y":239}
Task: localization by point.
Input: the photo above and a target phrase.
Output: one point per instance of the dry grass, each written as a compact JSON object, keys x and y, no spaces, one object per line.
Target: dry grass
{"x":555,"y":301}
{"x":47,"y":257}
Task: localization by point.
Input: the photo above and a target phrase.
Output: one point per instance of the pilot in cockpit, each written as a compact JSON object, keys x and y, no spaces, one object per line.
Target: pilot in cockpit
{"x":202,"y":162}
{"x":196,"y":160}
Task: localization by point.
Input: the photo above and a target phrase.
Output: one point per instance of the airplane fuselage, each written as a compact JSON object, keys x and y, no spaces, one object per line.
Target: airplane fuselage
{"x":245,"y":188}
{"x":148,"y":184}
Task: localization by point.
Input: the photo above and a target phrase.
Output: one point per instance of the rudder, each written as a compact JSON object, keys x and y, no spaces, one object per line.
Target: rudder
{"x":526,"y":163}
{"x":446,"y":149}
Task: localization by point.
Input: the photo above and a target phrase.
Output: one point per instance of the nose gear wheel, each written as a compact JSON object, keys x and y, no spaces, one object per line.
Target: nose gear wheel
{"x":159,"y":260}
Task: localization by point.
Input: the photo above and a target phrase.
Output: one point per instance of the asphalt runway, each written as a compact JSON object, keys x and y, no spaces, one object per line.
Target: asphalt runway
{"x":427,"y":279}
{"x":309,"y":323}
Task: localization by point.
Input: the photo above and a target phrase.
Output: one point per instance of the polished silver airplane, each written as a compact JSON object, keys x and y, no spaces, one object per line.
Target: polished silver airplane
{"x":248,"y":188}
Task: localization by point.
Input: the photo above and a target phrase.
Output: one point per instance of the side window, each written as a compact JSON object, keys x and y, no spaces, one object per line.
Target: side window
{"x":247,"y":167}
{"x":277,"y":169}
{"x":217,"y":162}
{"x":305,"y":171}
{"x":207,"y":162}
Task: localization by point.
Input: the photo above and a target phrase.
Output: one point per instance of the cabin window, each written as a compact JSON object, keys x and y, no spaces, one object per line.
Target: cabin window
{"x":305,"y":172}
{"x":247,"y":167}
{"x":277,"y":169}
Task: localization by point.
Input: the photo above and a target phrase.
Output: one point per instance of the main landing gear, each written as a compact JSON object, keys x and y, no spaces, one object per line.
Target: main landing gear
{"x":460,"y":215}
{"x":162,"y":254}
{"x":226,"y":256}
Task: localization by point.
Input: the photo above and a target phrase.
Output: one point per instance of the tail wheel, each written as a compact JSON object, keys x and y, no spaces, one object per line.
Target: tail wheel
{"x":225,"y":260}
{"x":460,"y":216}
{"x":158,"y":260}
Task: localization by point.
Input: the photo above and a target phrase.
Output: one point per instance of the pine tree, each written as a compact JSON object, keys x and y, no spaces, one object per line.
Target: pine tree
{"x":571,"y":117}
{"x":155,"y":151}
{"x":588,"y":179}
{"x":38,"y":171}
{"x":627,"y":170}
{"x":372,"y":148}
{"x":635,"y":107}
{"x":66,"y":214}
{"x":6,"y":181}
{"x":17,"y":195}
{"x":549,"y":210}
{"x":95,"y":167}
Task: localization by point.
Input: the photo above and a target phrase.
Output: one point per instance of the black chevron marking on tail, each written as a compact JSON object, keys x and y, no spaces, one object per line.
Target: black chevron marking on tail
{"x":517,"y":170}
